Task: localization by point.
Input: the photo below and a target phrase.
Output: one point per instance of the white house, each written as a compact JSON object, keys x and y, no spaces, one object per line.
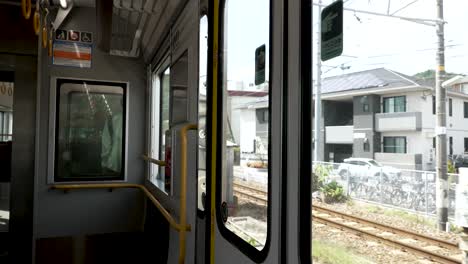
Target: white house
{"x":390,"y":117}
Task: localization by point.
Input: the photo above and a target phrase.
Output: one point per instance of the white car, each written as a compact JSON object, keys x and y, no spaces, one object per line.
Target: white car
{"x":366,"y":168}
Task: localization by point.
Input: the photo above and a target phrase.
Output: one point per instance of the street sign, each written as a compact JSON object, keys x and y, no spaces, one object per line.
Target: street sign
{"x":260,"y":65}
{"x":332,"y":30}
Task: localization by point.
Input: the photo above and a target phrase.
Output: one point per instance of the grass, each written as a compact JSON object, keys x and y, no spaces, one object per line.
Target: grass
{"x":328,"y":253}
{"x":410,"y":217}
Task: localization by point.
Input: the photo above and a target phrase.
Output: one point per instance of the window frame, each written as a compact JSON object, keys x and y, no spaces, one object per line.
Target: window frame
{"x":450,"y":107}
{"x":157,"y":72}
{"x":465,"y":109}
{"x":450,"y":145}
{"x":394,"y":146}
{"x":247,"y":249}
{"x":54,"y":115}
{"x":394,"y":105}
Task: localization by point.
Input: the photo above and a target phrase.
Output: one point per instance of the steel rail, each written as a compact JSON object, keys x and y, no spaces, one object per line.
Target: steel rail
{"x":439,"y":242}
{"x":253,"y":189}
{"x":406,"y":247}
{"x":259,"y":200}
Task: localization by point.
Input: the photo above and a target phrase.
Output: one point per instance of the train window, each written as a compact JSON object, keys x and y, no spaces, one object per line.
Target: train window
{"x":203,"y":60}
{"x":90,"y":131}
{"x":389,"y":47}
{"x":245,"y":155}
{"x":159,"y":124}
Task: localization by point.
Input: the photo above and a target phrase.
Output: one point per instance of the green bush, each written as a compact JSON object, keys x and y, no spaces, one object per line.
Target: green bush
{"x":320,"y":175}
{"x":451,"y":167}
{"x":333,"y":192}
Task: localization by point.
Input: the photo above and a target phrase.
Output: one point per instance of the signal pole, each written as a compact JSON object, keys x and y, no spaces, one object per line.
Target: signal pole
{"x":441,"y":126}
{"x":318,"y":90}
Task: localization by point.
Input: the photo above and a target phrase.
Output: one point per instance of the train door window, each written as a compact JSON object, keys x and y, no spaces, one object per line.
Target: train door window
{"x":245,"y":156}
{"x":6,"y":143}
{"x":160,"y":98}
{"x":90,"y":130}
{"x":203,"y":61}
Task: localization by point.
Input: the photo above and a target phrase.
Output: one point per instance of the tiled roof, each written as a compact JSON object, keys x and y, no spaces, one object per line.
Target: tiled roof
{"x":375,"y":78}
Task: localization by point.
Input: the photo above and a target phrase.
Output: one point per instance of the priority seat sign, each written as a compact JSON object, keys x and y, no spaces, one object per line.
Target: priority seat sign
{"x":72,"y":48}
{"x":332,"y":31}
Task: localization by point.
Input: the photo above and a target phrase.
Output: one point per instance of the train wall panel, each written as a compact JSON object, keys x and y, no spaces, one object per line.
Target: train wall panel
{"x":98,"y":211}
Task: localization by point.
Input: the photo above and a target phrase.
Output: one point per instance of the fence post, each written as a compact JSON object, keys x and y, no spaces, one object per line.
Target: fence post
{"x":426,"y":194}
{"x":348,"y":190}
{"x":381,"y":185}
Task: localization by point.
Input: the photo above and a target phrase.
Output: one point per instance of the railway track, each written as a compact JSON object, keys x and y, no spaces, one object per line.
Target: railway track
{"x":434,"y":249}
{"x":437,"y":250}
{"x":252,"y":194}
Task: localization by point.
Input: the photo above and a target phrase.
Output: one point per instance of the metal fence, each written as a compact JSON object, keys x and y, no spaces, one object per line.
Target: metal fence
{"x":411,"y":190}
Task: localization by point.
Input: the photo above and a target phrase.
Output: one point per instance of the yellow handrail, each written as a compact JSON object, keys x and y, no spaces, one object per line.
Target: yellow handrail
{"x":158,"y":205}
{"x":161,"y":163}
{"x":26,"y":8}
{"x":183,"y":189}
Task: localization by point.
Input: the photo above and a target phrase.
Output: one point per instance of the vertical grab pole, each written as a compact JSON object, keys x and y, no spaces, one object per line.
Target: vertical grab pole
{"x":183,"y":191}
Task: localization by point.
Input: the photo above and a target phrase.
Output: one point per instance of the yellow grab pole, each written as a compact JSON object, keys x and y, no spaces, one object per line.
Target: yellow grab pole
{"x":161,"y":163}
{"x":214,"y":127}
{"x":183,"y":189}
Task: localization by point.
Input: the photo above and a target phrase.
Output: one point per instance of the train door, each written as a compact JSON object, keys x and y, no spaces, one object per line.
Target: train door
{"x":244,"y":129}
{"x":173,"y":135}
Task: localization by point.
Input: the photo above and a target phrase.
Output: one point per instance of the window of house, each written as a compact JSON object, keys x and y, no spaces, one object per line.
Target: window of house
{"x":90,"y":134}
{"x":465,"y":109}
{"x":394,"y":144}
{"x":365,"y":107}
{"x":450,"y":145}
{"x":434,"y":142}
{"x":466,"y":145}
{"x":450,"y":107}
{"x":262,"y":115}
{"x":366,"y":147}
{"x":433,"y":105}
{"x":394,"y":104}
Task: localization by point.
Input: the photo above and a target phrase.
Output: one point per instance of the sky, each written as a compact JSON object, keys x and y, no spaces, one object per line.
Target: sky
{"x":407,"y":47}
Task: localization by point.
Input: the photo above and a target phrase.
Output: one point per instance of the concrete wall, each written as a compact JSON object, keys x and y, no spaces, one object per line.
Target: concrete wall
{"x":92,"y":211}
{"x":247,"y":132}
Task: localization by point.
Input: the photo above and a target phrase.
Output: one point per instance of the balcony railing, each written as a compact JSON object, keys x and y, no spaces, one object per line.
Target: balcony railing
{"x":339,"y":134}
{"x":405,"y":121}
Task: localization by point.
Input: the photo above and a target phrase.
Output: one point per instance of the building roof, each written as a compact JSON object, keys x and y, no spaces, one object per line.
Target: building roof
{"x":374,"y":78}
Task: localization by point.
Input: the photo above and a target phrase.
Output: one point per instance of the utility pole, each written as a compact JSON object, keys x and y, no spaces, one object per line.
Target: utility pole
{"x":441,"y":125}
{"x":318,"y":89}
